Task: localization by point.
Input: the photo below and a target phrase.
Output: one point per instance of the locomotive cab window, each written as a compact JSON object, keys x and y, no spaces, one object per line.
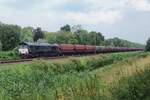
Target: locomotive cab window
{"x":23,"y":46}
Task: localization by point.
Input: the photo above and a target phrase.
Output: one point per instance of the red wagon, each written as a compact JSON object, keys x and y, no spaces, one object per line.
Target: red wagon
{"x":90,"y":49}
{"x":66,"y":48}
{"x":80,"y":48}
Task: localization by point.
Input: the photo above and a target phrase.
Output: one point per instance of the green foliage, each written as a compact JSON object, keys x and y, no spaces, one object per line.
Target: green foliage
{"x":26,"y":34}
{"x":34,"y":84}
{"x":9,"y":36}
{"x":50,"y":37}
{"x":147,"y":48}
{"x":116,"y":42}
{"x":91,"y":38}
{"x":82,"y":37}
{"x":61,"y":37}
{"x":9,"y":55}
{"x":44,"y":80}
{"x":134,"y":87}
{"x":85,"y":64}
{"x":0,"y":46}
{"x":95,"y":38}
{"x":38,"y":34}
{"x":66,"y":28}
{"x":79,"y":36}
{"x":65,"y":37}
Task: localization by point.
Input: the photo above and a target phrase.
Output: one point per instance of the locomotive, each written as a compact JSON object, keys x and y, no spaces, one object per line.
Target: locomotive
{"x":30,"y":50}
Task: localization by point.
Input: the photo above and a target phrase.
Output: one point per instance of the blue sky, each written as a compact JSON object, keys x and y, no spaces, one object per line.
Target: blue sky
{"x":127,"y":19}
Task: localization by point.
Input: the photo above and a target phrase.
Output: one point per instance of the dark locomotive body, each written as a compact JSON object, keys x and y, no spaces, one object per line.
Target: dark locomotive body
{"x":29,"y":50}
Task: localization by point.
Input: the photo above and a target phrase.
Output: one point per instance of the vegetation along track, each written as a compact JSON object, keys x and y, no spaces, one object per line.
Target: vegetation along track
{"x":44,"y":58}
{"x":31,"y":59}
{"x":27,"y":60}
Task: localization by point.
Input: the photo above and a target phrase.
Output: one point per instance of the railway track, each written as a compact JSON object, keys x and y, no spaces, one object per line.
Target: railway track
{"x":28,"y":60}
{"x":44,"y":58}
{"x":14,"y":61}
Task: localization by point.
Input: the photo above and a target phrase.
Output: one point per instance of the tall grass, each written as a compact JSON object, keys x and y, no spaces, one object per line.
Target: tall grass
{"x":58,"y":80}
{"x":136,"y":87}
{"x":38,"y":84}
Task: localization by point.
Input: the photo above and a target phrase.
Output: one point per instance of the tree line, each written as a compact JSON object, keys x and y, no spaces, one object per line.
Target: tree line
{"x":147,"y":48}
{"x":12,"y":35}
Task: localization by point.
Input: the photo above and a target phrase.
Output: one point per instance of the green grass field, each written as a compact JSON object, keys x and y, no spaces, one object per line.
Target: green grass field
{"x":118,"y":76}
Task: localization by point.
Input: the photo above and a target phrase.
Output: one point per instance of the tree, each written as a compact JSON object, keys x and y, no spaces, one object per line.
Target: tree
{"x":9,"y":36}
{"x":26,"y":34}
{"x":147,"y":48}
{"x":38,"y":34}
{"x":66,"y":28}
{"x":0,"y":46}
{"x":96,"y":38}
{"x":82,"y":36}
{"x":61,"y":37}
{"x":50,"y":37}
{"x":116,"y":42}
{"x":76,"y":28}
{"x":65,"y":37}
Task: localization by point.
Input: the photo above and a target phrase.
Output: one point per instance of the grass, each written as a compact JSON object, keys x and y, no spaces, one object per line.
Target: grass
{"x":9,"y":55}
{"x":135,"y":87}
{"x":85,"y":78}
{"x":114,"y":75}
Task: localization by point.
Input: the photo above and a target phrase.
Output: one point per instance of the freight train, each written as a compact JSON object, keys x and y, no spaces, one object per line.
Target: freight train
{"x":30,"y":50}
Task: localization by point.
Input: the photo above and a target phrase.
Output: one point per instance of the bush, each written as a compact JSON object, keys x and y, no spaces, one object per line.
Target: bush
{"x":81,"y":64}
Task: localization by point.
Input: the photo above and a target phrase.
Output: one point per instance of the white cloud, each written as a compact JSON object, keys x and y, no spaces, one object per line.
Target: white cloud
{"x":140,"y":5}
{"x":95,"y":17}
{"x":45,"y":16}
{"x":100,"y":15}
{"x":49,"y":4}
{"x":39,"y":14}
{"x":103,"y":4}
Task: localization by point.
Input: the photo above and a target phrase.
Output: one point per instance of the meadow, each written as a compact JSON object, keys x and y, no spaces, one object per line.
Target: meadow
{"x":118,"y":76}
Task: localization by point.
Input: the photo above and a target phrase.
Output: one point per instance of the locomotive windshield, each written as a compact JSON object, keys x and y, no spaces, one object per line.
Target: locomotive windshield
{"x":23,"y":46}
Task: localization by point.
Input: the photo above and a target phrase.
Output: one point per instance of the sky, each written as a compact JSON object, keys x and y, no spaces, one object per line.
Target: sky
{"x":126,"y":19}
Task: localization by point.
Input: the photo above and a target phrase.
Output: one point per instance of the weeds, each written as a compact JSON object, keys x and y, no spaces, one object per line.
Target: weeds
{"x":135,"y":87}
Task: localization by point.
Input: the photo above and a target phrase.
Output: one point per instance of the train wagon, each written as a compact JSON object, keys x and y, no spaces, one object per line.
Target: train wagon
{"x":79,"y":49}
{"x":98,"y":49}
{"x":66,"y":48}
{"x":90,"y":49}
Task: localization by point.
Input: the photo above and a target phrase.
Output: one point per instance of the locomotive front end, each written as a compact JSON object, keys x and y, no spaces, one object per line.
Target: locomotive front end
{"x":23,"y":50}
